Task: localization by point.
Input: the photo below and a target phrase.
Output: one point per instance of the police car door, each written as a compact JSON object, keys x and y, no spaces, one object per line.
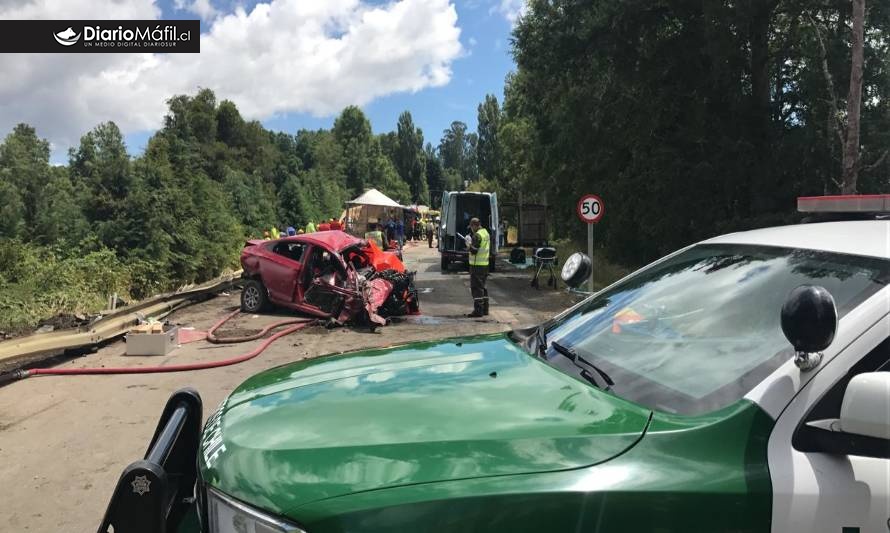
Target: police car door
{"x":818,"y":490}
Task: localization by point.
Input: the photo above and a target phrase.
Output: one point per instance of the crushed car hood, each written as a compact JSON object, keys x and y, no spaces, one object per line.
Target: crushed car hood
{"x":418,"y":413}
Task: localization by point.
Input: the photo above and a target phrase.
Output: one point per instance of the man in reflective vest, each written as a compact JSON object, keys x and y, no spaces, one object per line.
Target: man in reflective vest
{"x":479,"y":244}
{"x":374,"y":234}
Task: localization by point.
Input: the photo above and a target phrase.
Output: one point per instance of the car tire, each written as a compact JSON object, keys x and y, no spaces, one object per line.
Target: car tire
{"x":443,"y":264}
{"x":254,"y":297}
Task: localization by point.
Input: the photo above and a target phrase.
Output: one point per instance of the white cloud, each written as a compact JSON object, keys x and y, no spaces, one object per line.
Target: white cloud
{"x":203,"y":8}
{"x":283,"y":56}
{"x":472,"y":41}
{"x":510,"y":9}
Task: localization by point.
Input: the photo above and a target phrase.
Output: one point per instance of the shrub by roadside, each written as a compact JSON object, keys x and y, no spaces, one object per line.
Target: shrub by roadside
{"x":38,"y":283}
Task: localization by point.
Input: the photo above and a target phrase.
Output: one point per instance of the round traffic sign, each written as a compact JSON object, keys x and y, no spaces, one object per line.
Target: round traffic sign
{"x":590,"y":208}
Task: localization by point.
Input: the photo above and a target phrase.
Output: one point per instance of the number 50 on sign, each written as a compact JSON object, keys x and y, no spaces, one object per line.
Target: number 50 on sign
{"x":590,"y":209}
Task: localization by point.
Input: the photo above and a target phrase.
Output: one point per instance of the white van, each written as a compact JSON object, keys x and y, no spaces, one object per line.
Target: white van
{"x":458,"y":207}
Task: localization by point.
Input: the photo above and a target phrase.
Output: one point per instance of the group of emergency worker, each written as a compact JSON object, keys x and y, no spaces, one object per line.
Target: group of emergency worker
{"x":310,"y":227}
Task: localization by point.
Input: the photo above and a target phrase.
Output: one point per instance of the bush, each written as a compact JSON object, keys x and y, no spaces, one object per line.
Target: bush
{"x":36,"y":284}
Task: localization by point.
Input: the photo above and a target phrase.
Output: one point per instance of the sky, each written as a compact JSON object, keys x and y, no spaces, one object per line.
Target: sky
{"x":291,"y":64}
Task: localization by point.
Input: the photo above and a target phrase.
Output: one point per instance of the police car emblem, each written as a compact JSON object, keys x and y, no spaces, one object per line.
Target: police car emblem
{"x":141,"y":485}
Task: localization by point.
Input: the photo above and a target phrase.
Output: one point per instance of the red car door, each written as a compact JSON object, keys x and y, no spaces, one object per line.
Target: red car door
{"x":280,"y":269}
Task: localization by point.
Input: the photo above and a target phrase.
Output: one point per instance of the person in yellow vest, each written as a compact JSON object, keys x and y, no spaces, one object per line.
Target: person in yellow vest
{"x":479,"y":244}
{"x":374,"y":234}
{"x":275,"y":233}
{"x":310,"y":227}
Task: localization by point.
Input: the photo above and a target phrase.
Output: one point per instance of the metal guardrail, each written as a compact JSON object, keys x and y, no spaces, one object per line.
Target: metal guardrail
{"x":109,"y":326}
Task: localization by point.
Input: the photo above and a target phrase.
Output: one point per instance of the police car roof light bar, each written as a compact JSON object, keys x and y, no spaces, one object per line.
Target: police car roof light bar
{"x":859,"y":203}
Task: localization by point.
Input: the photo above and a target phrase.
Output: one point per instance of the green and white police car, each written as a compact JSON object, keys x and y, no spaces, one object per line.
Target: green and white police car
{"x":740,"y":384}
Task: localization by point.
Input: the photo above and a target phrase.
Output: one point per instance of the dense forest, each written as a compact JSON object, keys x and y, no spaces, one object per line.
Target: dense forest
{"x":691,"y":118}
{"x":688,"y":118}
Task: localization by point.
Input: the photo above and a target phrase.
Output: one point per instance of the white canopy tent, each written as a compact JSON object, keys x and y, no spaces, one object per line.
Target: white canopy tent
{"x":370,"y":207}
{"x":376,"y":198}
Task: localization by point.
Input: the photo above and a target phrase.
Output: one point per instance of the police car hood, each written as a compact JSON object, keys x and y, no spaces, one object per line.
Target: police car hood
{"x":420,"y":413}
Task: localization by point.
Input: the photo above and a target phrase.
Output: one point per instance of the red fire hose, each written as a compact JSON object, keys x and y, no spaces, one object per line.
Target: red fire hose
{"x":298,"y":324}
{"x":231,"y":340}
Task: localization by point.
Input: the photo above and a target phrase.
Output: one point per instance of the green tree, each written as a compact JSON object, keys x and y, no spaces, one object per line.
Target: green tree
{"x":353,"y":132}
{"x":409,"y":158}
{"x":295,"y":208}
{"x":470,"y":170}
{"x":59,"y":219}
{"x":489,"y":150}
{"x":24,"y":166}
{"x":385,"y":178}
{"x":12,"y":211}
{"x":100,"y":170}
{"x":435,"y":175}
{"x":453,"y":146}
{"x":252,"y":200}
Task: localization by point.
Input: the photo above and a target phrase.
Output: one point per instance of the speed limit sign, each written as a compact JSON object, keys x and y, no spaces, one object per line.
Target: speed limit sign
{"x":590,"y":209}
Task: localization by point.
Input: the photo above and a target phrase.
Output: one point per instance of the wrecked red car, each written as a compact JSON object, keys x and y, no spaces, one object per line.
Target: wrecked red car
{"x":327,"y":274}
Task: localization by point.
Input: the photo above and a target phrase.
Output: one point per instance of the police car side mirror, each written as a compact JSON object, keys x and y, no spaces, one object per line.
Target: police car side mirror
{"x":576,"y":269}
{"x":863,"y":428}
{"x":809,"y":321}
{"x":865,"y":409}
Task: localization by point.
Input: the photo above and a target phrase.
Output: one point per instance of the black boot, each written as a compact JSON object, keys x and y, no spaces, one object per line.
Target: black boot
{"x":477,"y":309}
{"x":485,"y":306}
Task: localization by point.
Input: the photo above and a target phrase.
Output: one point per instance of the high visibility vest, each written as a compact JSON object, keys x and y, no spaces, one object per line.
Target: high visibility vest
{"x":376,"y":236}
{"x":480,"y":258}
{"x":310,"y":228}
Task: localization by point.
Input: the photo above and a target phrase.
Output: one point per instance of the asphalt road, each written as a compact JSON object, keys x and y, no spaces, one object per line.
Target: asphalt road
{"x":65,"y":440}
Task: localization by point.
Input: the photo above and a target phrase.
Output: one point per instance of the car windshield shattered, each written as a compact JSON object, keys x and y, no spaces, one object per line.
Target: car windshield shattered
{"x":697,"y":331}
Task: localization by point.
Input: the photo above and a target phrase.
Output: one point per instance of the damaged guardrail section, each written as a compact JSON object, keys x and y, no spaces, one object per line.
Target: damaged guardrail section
{"x":107,"y":327}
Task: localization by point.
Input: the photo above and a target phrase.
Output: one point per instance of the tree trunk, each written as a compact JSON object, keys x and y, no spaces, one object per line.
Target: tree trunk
{"x":760,"y":13}
{"x":854,"y":102}
{"x":759,"y":42}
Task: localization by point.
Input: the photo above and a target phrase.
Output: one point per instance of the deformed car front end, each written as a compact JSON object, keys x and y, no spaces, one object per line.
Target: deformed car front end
{"x":329,"y":275}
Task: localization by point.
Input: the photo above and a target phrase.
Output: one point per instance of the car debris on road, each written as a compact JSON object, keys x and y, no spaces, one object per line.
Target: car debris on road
{"x":327,"y":274}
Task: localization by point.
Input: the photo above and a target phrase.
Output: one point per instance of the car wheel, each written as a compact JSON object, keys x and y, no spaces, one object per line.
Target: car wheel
{"x":443,"y":263}
{"x":253,"y":297}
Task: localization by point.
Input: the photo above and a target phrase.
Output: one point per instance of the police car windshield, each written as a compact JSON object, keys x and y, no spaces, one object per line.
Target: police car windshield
{"x":698,"y":331}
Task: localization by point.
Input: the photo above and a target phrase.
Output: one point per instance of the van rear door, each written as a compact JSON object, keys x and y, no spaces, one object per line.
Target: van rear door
{"x":494,"y":223}
{"x":443,"y":219}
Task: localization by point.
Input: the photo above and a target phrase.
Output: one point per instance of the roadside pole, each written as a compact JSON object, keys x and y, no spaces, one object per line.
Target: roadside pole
{"x":590,"y":210}
{"x":590,"y":252}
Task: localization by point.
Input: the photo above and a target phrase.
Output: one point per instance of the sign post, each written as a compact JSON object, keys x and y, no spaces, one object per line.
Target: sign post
{"x":590,"y":210}
{"x":590,"y":254}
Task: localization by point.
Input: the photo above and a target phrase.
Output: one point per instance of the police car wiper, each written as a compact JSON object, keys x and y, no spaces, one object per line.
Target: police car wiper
{"x":541,"y":337}
{"x":584,"y":364}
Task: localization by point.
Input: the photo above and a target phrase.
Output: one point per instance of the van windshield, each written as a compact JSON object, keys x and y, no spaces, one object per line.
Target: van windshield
{"x":698,"y":331}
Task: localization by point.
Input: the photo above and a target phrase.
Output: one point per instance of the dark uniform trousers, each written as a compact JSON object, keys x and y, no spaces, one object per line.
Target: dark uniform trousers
{"x":478,"y":277}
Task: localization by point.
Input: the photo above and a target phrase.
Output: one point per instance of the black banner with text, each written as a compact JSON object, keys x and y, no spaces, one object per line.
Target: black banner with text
{"x":100,"y":36}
